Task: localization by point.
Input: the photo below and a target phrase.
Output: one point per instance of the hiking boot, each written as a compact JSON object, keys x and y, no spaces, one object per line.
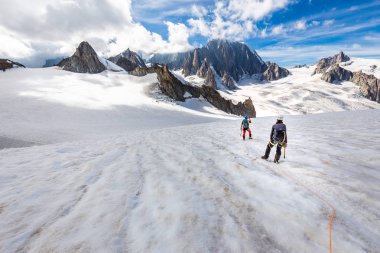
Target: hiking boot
{"x":276,"y":159}
{"x":264,"y":157}
{"x":243,"y":138}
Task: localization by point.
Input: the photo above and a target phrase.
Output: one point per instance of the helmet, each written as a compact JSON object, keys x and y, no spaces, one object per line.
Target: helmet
{"x":280,"y":117}
{"x":246,"y":117}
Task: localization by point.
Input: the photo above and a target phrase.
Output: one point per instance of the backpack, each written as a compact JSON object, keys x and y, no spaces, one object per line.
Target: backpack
{"x":245,"y":123}
{"x":279,"y":131}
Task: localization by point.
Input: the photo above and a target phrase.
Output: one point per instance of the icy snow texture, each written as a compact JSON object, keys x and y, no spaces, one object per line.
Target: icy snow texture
{"x":197,"y":189}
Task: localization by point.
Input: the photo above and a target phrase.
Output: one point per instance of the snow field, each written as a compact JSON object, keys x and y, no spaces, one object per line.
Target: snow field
{"x":197,"y":188}
{"x":51,"y":105}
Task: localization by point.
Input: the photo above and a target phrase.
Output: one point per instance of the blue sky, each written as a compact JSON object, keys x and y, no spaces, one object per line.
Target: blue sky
{"x":285,"y":31}
{"x":297,"y":32}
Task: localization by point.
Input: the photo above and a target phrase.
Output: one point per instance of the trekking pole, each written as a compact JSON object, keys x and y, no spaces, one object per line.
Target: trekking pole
{"x":284,"y":152}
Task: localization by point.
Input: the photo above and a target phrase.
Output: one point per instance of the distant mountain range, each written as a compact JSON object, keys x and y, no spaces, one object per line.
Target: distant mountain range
{"x":219,"y":62}
{"x":231,"y":61}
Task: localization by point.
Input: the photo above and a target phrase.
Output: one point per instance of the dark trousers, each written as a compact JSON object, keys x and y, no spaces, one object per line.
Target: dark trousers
{"x":278,"y":150}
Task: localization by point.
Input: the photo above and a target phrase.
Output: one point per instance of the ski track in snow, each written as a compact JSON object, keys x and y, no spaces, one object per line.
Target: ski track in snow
{"x":197,"y":189}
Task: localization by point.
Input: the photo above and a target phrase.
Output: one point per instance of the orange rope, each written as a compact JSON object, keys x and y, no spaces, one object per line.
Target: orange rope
{"x":332,"y":215}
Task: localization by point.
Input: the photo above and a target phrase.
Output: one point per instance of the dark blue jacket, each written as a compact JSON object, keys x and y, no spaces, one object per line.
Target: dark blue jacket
{"x":278,"y":133}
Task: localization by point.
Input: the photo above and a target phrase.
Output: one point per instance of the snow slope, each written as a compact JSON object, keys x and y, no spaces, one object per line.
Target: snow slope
{"x":299,"y":93}
{"x":51,"y":105}
{"x":197,"y":188}
{"x":368,"y":66}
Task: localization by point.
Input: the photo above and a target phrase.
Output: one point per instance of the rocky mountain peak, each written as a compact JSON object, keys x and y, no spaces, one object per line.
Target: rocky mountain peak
{"x":128,"y":60}
{"x":229,"y":60}
{"x":84,"y":60}
{"x":325,"y":63}
{"x":274,"y":72}
{"x":341,"y":57}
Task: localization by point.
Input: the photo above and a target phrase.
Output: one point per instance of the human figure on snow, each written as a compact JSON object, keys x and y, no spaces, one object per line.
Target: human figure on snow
{"x":245,"y":127}
{"x":278,"y":136}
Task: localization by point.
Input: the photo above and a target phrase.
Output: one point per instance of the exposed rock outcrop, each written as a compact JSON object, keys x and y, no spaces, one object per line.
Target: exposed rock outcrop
{"x":175,"y":89}
{"x":301,"y":66}
{"x":337,"y":74}
{"x":228,"y":82}
{"x":203,"y":70}
{"x":144,"y":71}
{"x":128,"y":60}
{"x":274,"y":72}
{"x":8,"y":64}
{"x":210,"y":79}
{"x":325,"y":63}
{"x":84,"y":60}
{"x":369,"y":85}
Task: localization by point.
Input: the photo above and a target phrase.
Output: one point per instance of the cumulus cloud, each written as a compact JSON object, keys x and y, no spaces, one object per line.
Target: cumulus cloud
{"x":39,"y":29}
{"x":236,"y":19}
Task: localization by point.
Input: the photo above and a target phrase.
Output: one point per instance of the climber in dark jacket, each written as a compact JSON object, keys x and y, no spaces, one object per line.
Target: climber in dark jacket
{"x":278,"y":136}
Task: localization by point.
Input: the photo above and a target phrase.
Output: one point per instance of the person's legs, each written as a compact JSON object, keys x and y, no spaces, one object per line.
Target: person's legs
{"x":250,"y":133}
{"x":278,"y":152}
{"x":244,"y":133}
{"x":267,"y":151}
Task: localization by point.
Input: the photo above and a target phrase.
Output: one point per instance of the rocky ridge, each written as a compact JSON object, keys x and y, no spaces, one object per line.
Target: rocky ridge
{"x":175,"y":89}
{"x":274,"y":72}
{"x":8,"y":64}
{"x":325,"y":63}
{"x":128,"y":60}
{"x":369,"y":85}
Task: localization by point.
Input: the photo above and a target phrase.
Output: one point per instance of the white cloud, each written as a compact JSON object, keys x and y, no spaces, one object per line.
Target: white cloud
{"x":198,"y":11}
{"x":263,"y":33}
{"x":300,"y":25}
{"x":253,"y":9}
{"x":36,"y":30}
{"x":279,"y":29}
{"x":315,"y":23}
{"x":328,"y":22}
{"x":236,"y":19}
{"x":178,"y":37}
